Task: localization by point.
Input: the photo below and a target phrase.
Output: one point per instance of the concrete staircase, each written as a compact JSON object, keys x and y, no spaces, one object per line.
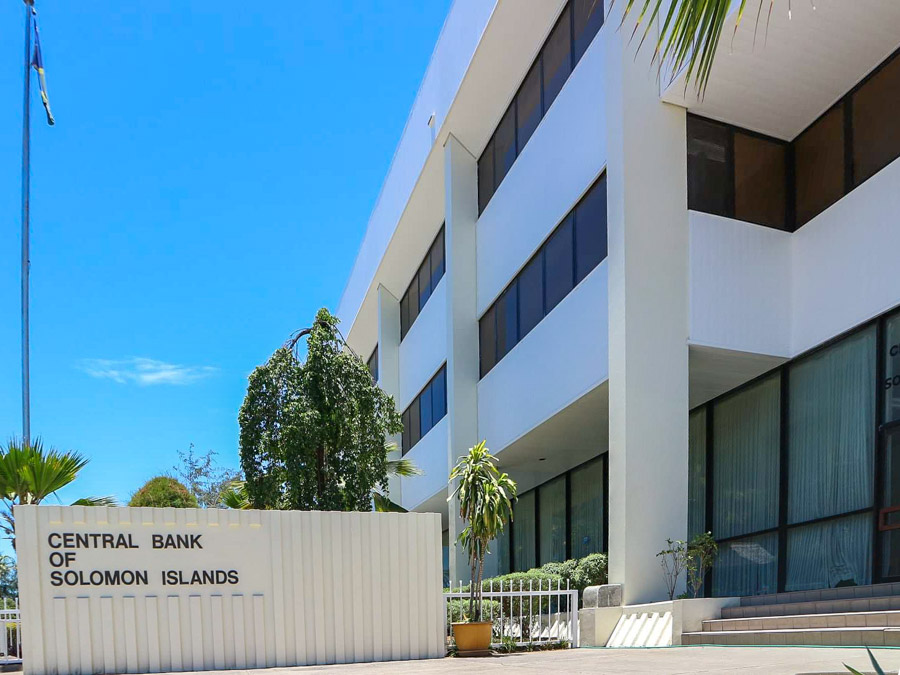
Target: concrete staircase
{"x":848,"y":616}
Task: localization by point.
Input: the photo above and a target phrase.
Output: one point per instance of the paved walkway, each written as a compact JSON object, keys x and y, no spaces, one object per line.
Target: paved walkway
{"x":671,"y":661}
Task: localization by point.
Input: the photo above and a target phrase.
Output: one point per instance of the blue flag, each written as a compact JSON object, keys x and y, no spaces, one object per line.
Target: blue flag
{"x":38,"y":64}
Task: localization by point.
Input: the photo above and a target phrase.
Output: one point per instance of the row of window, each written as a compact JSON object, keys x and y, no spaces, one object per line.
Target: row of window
{"x":577,"y":25}
{"x":426,"y":410}
{"x":783,"y":471}
{"x":561,"y":519}
{"x":573,"y":249}
{"x":423,"y":284}
{"x":740,"y":174}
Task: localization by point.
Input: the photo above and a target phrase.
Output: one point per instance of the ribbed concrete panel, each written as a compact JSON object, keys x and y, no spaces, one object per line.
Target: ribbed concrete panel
{"x":117,"y":590}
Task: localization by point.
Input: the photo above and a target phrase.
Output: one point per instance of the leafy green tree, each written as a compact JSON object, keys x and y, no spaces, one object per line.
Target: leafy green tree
{"x":9,"y":578}
{"x":312,"y":433}
{"x":690,"y":31}
{"x":29,"y":474}
{"x":204,"y":477}
{"x":164,"y":491}
{"x":485,"y":505}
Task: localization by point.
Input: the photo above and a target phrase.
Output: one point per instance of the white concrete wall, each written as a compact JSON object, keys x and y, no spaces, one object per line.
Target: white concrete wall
{"x":564,"y":156}
{"x":312,"y":588}
{"x":561,"y":359}
{"x":430,"y":455}
{"x":740,"y":280}
{"x":424,"y":348}
{"x":459,"y":37}
{"x":845,"y":262}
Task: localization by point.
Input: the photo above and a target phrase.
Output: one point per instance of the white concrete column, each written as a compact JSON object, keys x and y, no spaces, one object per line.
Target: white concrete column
{"x":461,"y":213}
{"x":648,"y":318}
{"x":389,"y":366}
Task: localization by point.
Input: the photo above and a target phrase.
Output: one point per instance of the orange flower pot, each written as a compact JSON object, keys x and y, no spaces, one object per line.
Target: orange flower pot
{"x":472,"y":637}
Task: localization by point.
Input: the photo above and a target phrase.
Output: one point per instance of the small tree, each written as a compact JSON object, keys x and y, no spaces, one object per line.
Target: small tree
{"x":313,"y":432}
{"x":674,"y":560}
{"x":485,"y":505}
{"x":701,"y":552}
{"x":164,"y":491}
{"x":204,"y":477}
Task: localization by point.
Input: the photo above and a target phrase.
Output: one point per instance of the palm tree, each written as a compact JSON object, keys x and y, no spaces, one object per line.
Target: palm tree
{"x":689,"y":32}
{"x":485,"y":504}
{"x":29,"y":474}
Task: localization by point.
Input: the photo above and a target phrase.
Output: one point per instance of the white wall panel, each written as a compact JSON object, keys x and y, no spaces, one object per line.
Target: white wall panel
{"x":309,"y":589}
{"x":560,"y":162}
{"x":562,"y":358}
{"x":740,"y":280}
{"x":845,"y":261}
{"x":424,"y":349}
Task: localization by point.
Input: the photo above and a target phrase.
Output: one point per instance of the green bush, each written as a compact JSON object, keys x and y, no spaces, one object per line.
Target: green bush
{"x":591,"y":571}
{"x":459,"y":610}
{"x":164,"y":491}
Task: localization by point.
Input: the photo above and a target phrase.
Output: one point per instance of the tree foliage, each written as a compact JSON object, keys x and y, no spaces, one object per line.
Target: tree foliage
{"x":313,"y":433}
{"x":204,"y":477}
{"x":164,"y":491}
{"x":29,"y":474}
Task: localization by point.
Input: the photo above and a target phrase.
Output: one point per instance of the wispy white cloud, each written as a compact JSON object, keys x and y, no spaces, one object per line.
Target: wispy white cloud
{"x":144,"y":371}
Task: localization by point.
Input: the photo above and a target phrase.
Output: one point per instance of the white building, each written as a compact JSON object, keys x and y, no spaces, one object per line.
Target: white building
{"x":665,"y":315}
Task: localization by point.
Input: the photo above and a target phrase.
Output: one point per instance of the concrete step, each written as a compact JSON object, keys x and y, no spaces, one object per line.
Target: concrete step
{"x":877,"y":636}
{"x":890,"y":619}
{"x":822,"y":606}
{"x":842,"y":593}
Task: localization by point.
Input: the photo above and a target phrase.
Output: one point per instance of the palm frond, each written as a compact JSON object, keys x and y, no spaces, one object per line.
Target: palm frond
{"x":109,"y":500}
{"x":403,"y":467}
{"x":236,"y":497}
{"x":385,"y":505}
{"x":689,"y":35}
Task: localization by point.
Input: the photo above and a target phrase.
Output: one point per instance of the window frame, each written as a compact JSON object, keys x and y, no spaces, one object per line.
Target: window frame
{"x":411,"y":417}
{"x":409,"y":310}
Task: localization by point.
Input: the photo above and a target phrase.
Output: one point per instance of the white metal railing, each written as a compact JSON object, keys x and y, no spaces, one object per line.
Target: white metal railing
{"x":11,"y":620}
{"x":521,"y":614}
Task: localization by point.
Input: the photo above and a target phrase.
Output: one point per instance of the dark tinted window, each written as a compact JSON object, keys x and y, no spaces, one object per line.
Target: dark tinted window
{"x":709,"y":170}
{"x":557,"y":57}
{"x":528,"y":104}
{"x":424,"y":282}
{"x":426,"y":410}
{"x":531,"y":295}
{"x":590,"y":230}
{"x":437,"y":260}
{"x":422,"y":285}
{"x":507,"y":321}
{"x":373,"y":364}
{"x":558,"y":261}
{"x":819,"y":165}
{"x":504,"y":145}
{"x":588,"y":18}
{"x":439,"y":396}
{"x":487,"y":339}
{"x":760,"y":180}
{"x":486,"y":176}
{"x":876,"y":131}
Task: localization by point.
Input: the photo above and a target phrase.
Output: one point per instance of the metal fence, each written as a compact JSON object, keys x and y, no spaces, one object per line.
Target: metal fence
{"x":521,"y":614}
{"x":11,"y":646}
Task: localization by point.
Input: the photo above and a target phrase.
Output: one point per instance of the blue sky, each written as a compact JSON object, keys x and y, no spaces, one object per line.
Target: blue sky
{"x":203,"y":192}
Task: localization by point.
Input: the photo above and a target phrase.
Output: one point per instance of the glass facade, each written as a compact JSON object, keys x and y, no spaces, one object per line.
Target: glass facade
{"x":425,"y":411}
{"x":564,"y":518}
{"x":423,"y":284}
{"x":797,"y":473}
{"x":741,"y":174}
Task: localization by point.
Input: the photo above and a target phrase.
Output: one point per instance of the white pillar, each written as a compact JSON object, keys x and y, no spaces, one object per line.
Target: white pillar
{"x":461,"y":213}
{"x":648,"y":319}
{"x":389,"y":366}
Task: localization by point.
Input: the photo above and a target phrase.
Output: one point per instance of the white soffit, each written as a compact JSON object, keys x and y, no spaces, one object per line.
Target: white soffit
{"x":797,"y":68}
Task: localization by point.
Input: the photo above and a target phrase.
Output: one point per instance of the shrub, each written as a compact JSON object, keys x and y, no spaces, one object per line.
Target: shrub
{"x":459,"y":610}
{"x":164,"y":491}
{"x":591,"y":570}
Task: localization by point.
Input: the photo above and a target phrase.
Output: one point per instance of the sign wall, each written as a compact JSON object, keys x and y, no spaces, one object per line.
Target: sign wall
{"x":139,"y":590}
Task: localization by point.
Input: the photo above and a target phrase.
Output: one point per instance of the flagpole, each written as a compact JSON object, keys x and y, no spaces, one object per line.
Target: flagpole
{"x":26,"y":262}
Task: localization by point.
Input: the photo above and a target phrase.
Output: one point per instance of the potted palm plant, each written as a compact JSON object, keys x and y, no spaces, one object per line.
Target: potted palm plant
{"x":485,"y":505}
